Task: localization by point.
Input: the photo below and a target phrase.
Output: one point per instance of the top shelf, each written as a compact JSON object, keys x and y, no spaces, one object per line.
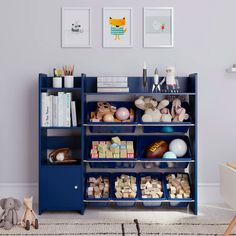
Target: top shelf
{"x":188,"y":86}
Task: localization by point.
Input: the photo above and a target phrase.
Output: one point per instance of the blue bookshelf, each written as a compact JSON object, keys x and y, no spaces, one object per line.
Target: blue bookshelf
{"x":70,"y":192}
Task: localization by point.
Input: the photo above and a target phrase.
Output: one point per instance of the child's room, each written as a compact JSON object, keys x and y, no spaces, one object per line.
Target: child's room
{"x":112,"y":119}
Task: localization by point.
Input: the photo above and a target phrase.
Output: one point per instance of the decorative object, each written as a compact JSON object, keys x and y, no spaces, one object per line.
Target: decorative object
{"x":69,"y":76}
{"x":156,"y":149}
{"x":169,"y":155}
{"x":76,"y":27}
{"x":156,"y":85}
{"x":158,"y":27}
{"x":145,"y":79}
{"x":117,"y":27}
{"x":29,"y":217}
{"x":9,"y":216}
{"x":57,"y":79}
{"x":122,"y":113}
{"x":178,"y":185}
{"x":61,"y":156}
{"x":179,"y":147}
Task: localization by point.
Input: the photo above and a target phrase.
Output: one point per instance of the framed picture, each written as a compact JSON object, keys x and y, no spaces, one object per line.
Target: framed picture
{"x":76,"y":27}
{"x":158,"y":28}
{"x":117,"y":27}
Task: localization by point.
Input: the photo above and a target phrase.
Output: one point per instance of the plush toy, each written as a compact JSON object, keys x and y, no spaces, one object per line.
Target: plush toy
{"x":178,"y":113}
{"x":29,"y":217}
{"x":9,"y":217}
{"x":144,"y":103}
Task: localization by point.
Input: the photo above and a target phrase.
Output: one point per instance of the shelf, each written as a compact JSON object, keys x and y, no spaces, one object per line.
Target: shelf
{"x":140,"y":161}
{"x":77,"y":127}
{"x":140,"y":94}
{"x":138,"y":200}
{"x":139,"y":124}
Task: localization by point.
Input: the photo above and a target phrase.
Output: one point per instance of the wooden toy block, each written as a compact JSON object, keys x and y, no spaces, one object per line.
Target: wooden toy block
{"x":115,"y":140}
{"x":115,"y":155}
{"x":130,"y":155}
{"x":123,"y":143}
{"x":108,"y":154}
{"x":101,"y":155}
{"x":102,"y":142}
{"x":94,"y":155}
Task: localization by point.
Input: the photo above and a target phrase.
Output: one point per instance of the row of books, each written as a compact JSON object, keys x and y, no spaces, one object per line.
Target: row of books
{"x":112,"y":84}
{"x":58,"y":110}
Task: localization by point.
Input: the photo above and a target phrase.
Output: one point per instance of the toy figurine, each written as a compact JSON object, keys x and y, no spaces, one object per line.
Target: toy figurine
{"x":29,"y":217}
{"x":178,"y":113}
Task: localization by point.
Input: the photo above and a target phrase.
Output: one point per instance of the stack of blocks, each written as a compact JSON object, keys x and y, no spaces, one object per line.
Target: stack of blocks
{"x":151,"y":187}
{"x":178,"y":186}
{"x":98,"y":187}
{"x":112,"y":149}
{"x":125,"y":186}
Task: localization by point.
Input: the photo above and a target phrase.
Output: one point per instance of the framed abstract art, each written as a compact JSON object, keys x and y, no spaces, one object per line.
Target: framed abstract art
{"x":158,"y":28}
{"x":117,"y":27}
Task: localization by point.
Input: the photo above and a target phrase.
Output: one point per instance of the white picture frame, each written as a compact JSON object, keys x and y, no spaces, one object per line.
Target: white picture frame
{"x":158,"y":27}
{"x":122,"y":34}
{"x":76,"y":27}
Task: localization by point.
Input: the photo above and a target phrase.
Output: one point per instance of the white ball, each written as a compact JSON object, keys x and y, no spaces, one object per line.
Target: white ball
{"x":179,"y":147}
{"x":60,"y":156}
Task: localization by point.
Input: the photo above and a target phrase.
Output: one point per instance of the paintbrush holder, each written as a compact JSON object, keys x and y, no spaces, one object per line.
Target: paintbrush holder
{"x":57,"y":82}
{"x":69,"y":81}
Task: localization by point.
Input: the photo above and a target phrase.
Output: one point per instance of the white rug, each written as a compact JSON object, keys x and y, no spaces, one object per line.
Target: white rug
{"x":72,"y":227}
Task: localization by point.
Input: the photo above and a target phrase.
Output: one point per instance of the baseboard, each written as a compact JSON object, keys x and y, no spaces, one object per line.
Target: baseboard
{"x":207,"y":192}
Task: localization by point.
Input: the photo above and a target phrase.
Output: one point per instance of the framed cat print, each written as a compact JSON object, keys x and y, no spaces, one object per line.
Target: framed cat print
{"x":76,"y":27}
{"x":117,"y":27}
{"x":158,"y":27}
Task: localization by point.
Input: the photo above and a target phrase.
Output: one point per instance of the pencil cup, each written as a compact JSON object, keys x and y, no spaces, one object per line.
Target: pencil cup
{"x":57,"y":82}
{"x":69,"y":81}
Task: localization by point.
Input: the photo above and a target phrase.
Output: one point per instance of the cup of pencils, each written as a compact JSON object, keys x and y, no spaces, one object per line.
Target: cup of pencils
{"x":69,"y":76}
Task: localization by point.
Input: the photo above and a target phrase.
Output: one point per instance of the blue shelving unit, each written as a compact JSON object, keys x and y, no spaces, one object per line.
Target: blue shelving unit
{"x":64,"y":187}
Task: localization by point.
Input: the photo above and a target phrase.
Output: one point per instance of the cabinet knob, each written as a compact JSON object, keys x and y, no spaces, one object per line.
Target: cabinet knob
{"x":75,"y":187}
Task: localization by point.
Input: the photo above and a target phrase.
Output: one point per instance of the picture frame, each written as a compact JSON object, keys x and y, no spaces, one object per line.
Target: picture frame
{"x":76,"y":27}
{"x":158,"y":27}
{"x":117,"y":27}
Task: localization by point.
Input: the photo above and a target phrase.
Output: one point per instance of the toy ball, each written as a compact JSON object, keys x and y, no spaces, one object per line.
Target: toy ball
{"x":156,"y":149}
{"x":169,"y":155}
{"x":60,"y":156}
{"x":122,"y":113}
{"x":108,"y":118}
{"x":178,"y":146}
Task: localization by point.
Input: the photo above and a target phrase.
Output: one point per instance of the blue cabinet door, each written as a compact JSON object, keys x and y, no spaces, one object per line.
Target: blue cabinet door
{"x":61,"y":188}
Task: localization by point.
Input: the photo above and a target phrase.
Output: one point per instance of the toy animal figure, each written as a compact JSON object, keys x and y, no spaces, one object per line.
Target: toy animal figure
{"x":9,"y":217}
{"x":117,"y":27}
{"x":29,"y":217}
{"x":178,"y":113}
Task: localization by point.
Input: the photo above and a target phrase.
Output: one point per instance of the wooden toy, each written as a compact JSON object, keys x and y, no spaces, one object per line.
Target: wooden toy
{"x":156,"y":149}
{"x":98,"y":187}
{"x":178,"y":186}
{"x":125,"y":186}
{"x":29,"y":217}
{"x":151,"y":187}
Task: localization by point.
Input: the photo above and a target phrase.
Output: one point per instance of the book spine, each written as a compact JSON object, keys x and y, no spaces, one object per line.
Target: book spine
{"x":67,"y":111}
{"x":112,"y":84}
{"x":110,"y":90}
{"x":50,"y":110}
{"x":73,"y":114}
{"x":117,"y":79}
{"x":60,"y":109}
{"x":44,"y":110}
{"x":54,"y":111}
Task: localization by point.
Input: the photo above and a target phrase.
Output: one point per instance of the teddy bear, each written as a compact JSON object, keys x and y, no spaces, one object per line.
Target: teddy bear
{"x":9,"y":216}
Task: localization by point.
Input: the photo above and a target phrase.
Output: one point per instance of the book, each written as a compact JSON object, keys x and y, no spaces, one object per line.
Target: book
{"x":55,"y":111}
{"x":112,"y":84}
{"x":117,"y":79}
{"x":50,"y":111}
{"x":44,"y":110}
{"x":67,"y":108}
{"x":112,"y":90}
{"x":73,"y":114}
{"x":60,"y":109}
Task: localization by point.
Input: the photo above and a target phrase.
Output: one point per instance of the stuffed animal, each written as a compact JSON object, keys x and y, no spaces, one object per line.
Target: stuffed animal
{"x":178,"y":113}
{"x":29,"y":217}
{"x":9,"y":217}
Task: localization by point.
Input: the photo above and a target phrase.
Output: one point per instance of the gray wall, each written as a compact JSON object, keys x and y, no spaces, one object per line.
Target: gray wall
{"x":205,"y":42}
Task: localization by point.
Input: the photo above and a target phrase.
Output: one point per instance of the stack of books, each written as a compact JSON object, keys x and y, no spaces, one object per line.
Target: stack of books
{"x":112,"y":84}
{"x":58,"y":110}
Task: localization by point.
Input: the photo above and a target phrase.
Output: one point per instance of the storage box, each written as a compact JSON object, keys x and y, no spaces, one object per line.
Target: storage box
{"x":111,"y":127}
